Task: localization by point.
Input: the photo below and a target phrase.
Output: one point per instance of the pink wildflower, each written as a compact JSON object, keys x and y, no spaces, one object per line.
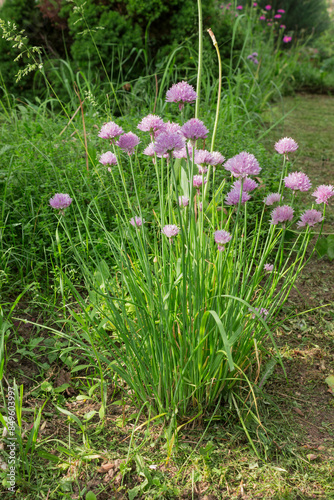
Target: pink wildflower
{"x":233,"y":197}
{"x":194,"y":129}
{"x":287,"y":39}
{"x":272,"y":198}
{"x":181,"y":92}
{"x":169,"y":127}
{"x":217,"y":157}
{"x":198,"y":181}
{"x":281,"y":11}
{"x":168,"y":142}
{"x":323,"y":193}
{"x":183,"y":201}
{"x":239,"y":7}
{"x":248,"y":185}
{"x":242,"y":165}
{"x":254,"y":4}
{"x":170,"y":230}
{"x":60,"y":201}
{"x":297,"y":181}
{"x":283,"y":26}
{"x":221,"y":238}
{"x":128,"y":142}
{"x":268,"y":7}
{"x":310,"y":217}
{"x":203,"y":157}
{"x":137,"y":221}
{"x":262,"y":312}
{"x":286,"y":145}
{"x":281,"y":214}
{"x":110,"y":131}
{"x":269,"y":268}
{"x":151,"y":123}
{"x":262,"y":18}
{"x":277,"y":16}
{"x":182,"y":153}
{"x":108,"y":158}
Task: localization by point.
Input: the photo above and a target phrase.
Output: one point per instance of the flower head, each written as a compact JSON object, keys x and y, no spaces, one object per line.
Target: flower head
{"x":151,"y":123}
{"x":242,"y":165}
{"x":281,"y":11}
{"x":277,"y":16}
{"x":137,"y":221}
{"x":268,"y":7}
{"x":217,"y":157}
{"x":108,"y":158}
{"x":262,"y":18}
{"x":183,"y":201}
{"x":198,"y":181}
{"x":169,"y":127}
{"x":239,"y":7}
{"x":286,"y":145}
{"x":310,"y":217}
{"x":128,"y":142}
{"x":170,"y":230}
{"x":221,"y":238}
{"x":297,"y":181}
{"x":281,"y":214}
{"x":287,"y":39}
{"x":262,"y":312}
{"x":248,"y":185}
{"x":110,"y":131}
{"x":323,"y":193}
{"x":272,"y":198}
{"x":194,"y":129}
{"x":166,"y":142}
{"x":181,"y":92}
{"x":269,"y":268}
{"x":203,"y":157}
{"x":149,"y":150}
{"x":233,"y":197}
{"x":60,"y":201}
{"x":282,"y":26}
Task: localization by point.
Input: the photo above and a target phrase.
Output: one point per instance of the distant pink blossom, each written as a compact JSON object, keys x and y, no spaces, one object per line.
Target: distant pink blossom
{"x":169,"y":127}
{"x":221,"y":238}
{"x":281,"y":214}
{"x":283,"y":26}
{"x":137,"y":221}
{"x":323,"y":193}
{"x":108,"y":158}
{"x":272,"y":198}
{"x":60,"y":201}
{"x":262,"y":18}
{"x":128,"y":142}
{"x":268,"y":7}
{"x":198,"y":181}
{"x":183,"y":201}
{"x":168,"y":142}
{"x":233,"y":197}
{"x":281,"y":11}
{"x":286,"y":145}
{"x":181,"y":92}
{"x":110,"y":131}
{"x":269,"y":268}
{"x":170,"y":230}
{"x":310,"y":218}
{"x":248,"y":185}
{"x":194,"y":129}
{"x":297,"y":181}
{"x":262,"y":312}
{"x":239,"y":7}
{"x":287,"y":39}
{"x":218,"y":158}
{"x":203,"y":157}
{"x":254,"y":4}
{"x":151,"y":123}
{"x":242,"y":165}
{"x":277,"y":16}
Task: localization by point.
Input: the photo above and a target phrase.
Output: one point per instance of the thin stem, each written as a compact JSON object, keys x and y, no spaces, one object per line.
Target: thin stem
{"x":200,"y":51}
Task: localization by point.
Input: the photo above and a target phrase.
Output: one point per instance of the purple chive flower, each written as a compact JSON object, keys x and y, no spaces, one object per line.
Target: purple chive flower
{"x":149,"y":150}
{"x":137,"y":221}
{"x":281,"y":214}
{"x":203,"y":157}
{"x":170,"y":230}
{"x":310,"y":217}
{"x":286,"y":145}
{"x":181,"y":92}
{"x":287,"y":39}
{"x":277,"y":16}
{"x":60,"y":201}
{"x":297,"y":181}
{"x":233,"y":197}
{"x":182,"y":153}
{"x":262,"y":312}
{"x":254,"y":4}
{"x":242,"y":165}
{"x":217,"y":157}
{"x":198,"y":181}
{"x":281,"y":11}
{"x":194,"y":129}
{"x":151,"y":123}
{"x":268,"y":7}
{"x":168,"y":142}
{"x":221,"y":238}
{"x":169,"y":127}
{"x":110,"y":131}
{"x":272,"y":198}
{"x":108,"y":158}
{"x":183,"y":201}
{"x":269,"y":268}
{"x":323,"y":193}
{"x":248,"y":185}
{"x":239,"y":7}
{"x":128,"y":142}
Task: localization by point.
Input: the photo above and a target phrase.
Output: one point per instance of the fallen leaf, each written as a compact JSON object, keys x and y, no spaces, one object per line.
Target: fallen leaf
{"x":330,"y":382}
{"x":105,"y":467}
{"x":312,"y":457}
{"x":297,"y":410}
{"x":321,"y":448}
